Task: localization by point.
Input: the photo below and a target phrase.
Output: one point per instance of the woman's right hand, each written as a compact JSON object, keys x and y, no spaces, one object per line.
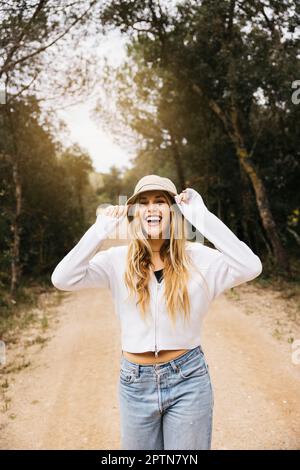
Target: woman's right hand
{"x":114,"y":211}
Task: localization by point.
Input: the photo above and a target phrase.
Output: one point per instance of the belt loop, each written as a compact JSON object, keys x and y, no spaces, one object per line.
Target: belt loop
{"x":137,"y":370}
{"x":173,"y":365}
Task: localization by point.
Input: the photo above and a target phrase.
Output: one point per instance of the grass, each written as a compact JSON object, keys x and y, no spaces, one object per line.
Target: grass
{"x":24,"y":322}
{"x":5,"y":384}
{"x":27,"y":310}
{"x":17,"y":367}
{"x":275,"y":299}
{"x":6,"y":404}
{"x":37,"y":340}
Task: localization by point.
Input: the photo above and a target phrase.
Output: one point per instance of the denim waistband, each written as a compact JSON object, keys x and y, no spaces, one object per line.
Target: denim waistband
{"x":172,"y":363}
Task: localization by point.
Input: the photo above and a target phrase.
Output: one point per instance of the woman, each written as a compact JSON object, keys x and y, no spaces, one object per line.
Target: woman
{"x":162,"y":286}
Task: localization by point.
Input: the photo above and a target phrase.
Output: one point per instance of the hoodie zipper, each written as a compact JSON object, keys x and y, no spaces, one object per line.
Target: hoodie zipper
{"x":156,"y":320}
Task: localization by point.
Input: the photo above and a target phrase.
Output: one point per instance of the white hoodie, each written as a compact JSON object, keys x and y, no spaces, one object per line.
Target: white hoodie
{"x":230,"y":264}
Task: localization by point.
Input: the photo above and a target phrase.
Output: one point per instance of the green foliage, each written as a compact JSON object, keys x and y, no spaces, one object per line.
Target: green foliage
{"x":54,"y":186}
{"x":185,"y":63}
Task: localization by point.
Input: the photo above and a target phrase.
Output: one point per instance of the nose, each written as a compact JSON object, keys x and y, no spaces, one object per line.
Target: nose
{"x":153,"y":204}
{"x":152,"y":208}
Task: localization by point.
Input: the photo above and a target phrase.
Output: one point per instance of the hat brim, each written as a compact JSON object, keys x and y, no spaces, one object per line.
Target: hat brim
{"x":149,"y":188}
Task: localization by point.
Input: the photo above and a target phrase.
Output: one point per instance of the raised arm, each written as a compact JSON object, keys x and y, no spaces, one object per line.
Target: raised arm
{"x":236,"y":262}
{"x":83,"y":267}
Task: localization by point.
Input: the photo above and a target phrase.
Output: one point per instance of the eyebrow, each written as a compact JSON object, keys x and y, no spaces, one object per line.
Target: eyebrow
{"x":156,"y":197}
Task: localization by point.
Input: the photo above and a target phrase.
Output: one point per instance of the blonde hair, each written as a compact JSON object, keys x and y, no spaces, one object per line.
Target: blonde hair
{"x":177,"y":264}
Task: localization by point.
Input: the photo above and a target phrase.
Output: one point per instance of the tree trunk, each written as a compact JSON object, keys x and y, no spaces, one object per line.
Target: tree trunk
{"x":15,"y":244}
{"x":177,"y":163}
{"x":262,"y":200}
{"x":15,"y":247}
{"x":232,"y":128}
{"x":264,"y":209}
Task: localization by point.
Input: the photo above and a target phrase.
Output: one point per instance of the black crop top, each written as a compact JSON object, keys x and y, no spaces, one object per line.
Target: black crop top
{"x":159,"y":274}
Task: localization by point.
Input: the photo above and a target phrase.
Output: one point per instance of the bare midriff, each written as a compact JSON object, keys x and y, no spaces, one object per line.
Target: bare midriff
{"x":148,"y":357}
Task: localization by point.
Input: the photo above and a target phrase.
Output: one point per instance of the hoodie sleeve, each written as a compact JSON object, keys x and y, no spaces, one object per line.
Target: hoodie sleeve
{"x":235,"y":263}
{"x":84,"y":266}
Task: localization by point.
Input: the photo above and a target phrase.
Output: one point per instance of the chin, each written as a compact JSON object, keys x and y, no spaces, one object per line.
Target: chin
{"x":154,"y":235}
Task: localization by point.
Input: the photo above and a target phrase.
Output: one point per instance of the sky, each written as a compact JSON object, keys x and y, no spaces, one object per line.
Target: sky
{"x":89,"y":133}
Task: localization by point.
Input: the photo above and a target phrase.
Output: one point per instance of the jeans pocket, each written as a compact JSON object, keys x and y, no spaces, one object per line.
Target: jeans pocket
{"x":193,"y":368}
{"x":127,"y":376}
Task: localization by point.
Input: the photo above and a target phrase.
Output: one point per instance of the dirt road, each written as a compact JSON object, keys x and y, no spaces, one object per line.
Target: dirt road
{"x":67,"y":397}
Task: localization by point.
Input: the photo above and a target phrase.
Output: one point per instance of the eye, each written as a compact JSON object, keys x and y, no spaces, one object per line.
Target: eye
{"x":161,"y":201}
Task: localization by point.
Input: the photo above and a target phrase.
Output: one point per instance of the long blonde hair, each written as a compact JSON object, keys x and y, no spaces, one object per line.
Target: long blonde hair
{"x":177,"y":264}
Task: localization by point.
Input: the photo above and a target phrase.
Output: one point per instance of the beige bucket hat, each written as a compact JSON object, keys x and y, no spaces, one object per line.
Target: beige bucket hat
{"x":151,"y":182}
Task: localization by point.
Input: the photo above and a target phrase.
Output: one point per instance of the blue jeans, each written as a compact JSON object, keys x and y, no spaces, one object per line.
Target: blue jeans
{"x":167,"y":405}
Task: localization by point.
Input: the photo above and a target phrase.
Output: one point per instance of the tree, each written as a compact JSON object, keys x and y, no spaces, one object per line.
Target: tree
{"x":236,"y":62}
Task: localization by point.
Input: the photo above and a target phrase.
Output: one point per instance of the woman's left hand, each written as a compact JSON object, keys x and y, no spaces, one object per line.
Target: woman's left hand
{"x":182,"y":197}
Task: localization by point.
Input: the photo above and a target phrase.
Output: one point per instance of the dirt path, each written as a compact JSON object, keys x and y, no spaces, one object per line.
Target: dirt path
{"x":67,"y":397}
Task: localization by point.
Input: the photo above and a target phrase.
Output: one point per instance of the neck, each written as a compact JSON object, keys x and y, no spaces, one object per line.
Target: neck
{"x":156,"y":245}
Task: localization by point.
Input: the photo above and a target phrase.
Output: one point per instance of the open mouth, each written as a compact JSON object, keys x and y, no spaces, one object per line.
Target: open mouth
{"x":153,"y":220}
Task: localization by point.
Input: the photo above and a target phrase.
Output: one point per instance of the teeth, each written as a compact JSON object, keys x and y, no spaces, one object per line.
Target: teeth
{"x":153,"y":219}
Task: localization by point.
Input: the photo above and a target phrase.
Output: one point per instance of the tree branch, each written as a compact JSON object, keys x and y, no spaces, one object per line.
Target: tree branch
{"x":42,"y":49}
